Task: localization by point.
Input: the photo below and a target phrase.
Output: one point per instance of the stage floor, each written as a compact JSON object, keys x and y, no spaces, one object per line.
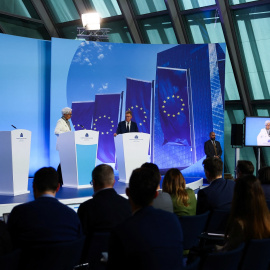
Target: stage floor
{"x":73,"y":196}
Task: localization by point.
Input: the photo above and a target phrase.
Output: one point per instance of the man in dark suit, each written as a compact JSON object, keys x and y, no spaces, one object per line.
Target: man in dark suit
{"x":151,"y":238}
{"x":219,"y":194}
{"x":127,"y":125}
{"x":212,"y":147}
{"x":106,"y":209}
{"x":44,"y":220}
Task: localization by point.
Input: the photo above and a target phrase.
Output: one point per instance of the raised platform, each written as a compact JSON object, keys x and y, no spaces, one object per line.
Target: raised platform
{"x":72,"y":196}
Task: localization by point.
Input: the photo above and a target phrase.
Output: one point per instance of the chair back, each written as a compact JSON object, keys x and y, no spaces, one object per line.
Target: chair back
{"x":192,"y":227}
{"x":59,"y":256}
{"x":223,"y":260}
{"x":10,"y":261}
{"x":217,"y":221}
{"x":256,"y":255}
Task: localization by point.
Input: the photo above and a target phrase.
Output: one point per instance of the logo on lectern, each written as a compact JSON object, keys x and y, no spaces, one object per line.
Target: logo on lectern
{"x":136,"y":137}
{"x":86,"y":135}
{"x":21,"y":135}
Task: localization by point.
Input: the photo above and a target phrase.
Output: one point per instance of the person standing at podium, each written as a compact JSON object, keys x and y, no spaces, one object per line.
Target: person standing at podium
{"x":62,"y":126}
{"x":127,"y":125}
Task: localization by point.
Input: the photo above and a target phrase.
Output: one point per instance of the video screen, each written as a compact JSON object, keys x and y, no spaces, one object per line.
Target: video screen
{"x":257,"y":131}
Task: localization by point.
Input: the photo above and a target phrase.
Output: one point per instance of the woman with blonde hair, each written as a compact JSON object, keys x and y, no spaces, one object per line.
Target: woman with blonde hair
{"x":249,"y":217}
{"x":184,"y":200}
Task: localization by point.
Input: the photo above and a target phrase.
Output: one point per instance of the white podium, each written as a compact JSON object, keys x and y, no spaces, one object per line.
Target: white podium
{"x":131,"y":152}
{"x":14,"y":161}
{"x":78,"y":152}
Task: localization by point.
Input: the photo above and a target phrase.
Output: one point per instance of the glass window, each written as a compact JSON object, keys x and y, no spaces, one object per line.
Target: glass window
{"x":143,"y":7}
{"x":119,"y":32}
{"x":184,"y":4}
{"x":21,"y":28}
{"x":62,"y":10}
{"x":70,"y":31}
{"x":253,"y":25}
{"x":19,"y":7}
{"x":205,"y":27}
{"x":236,"y":2}
{"x":105,"y":8}
{"x":234,"y":116}
{"x":158,"y":30}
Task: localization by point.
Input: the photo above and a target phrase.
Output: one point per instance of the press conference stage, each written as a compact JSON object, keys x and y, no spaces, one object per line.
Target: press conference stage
{"x":72,"y":196}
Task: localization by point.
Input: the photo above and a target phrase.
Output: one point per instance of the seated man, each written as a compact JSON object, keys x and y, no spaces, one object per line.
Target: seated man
{"x":163,"y":200}
{"x":219,"y":194}
{"x":151,"y":238}
{"x":44,"y":220}
{"x":106,"y":209}
{"x":244,"y":167}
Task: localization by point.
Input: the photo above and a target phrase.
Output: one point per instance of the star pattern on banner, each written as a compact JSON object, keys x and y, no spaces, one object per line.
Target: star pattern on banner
{"x":104,"y":124}
{"x":169,"y":110}
{"x":141,"y":112}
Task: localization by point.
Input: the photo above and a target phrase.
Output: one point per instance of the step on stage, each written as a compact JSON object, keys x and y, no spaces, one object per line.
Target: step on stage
{"x":72,"y":196}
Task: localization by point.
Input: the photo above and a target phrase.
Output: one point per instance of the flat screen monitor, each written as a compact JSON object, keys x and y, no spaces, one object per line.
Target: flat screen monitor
{"x":257,"y":131}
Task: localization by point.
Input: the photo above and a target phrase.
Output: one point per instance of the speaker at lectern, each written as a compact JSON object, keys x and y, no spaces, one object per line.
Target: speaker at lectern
{"x":131,"y":152}
{"x":14,"y":161}
{"x":78,"y":152}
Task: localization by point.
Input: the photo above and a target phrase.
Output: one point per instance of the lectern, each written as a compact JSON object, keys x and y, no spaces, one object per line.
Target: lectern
{"x":131,"y":152}
{"x":14,"y":161}
{"x":78,"y":152}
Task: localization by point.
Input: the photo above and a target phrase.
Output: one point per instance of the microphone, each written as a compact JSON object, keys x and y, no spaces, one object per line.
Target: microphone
{"x":81,"y":126}
{"x":13,"y":126}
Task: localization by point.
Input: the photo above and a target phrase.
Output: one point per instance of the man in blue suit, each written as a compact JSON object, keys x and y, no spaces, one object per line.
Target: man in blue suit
{"x":44,"y":220}
{"x":151,"y":238}
{"x":127,"y":125}
{"x":219,"y":194}
{"x":212,"y":148}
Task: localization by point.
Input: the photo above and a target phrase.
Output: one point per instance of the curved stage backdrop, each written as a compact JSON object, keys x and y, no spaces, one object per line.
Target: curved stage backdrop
{"x":176,"y":93}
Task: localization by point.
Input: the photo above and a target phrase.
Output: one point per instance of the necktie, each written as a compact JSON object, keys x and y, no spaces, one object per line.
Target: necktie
{"x":128,"y":130}
{"x":215,"y":148}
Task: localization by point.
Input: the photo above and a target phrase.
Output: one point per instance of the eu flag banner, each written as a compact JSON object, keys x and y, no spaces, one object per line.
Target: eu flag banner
{"x":82,"y":114}
{"x":173,"y":102}
{"x":105,"y":121}
{"x":138,"y":100}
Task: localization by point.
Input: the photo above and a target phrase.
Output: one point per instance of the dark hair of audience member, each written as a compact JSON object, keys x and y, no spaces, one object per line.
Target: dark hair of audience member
{"x":46,"y":179}
{"x":103,"y":175}
{"x":213,"y":166}
{"x":174,"y":183}
{"x":245,"y":167}
{"x":143,"y":184}
{"x":152,"y":167}
{"x":264,"y":175}
{"x":249,"y":209}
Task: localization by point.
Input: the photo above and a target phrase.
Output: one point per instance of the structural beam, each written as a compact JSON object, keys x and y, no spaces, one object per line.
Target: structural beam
{"x":45,"y":18}
{"x":128,"y":14}
{"x":177,"y":21}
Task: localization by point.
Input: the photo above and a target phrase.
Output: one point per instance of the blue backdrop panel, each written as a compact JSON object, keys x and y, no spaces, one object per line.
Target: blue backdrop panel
{"x":86,"y":160}
{"x":25,"y":92}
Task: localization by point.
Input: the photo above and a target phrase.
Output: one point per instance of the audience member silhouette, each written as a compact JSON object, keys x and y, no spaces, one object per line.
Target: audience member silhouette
{"x":244,"y":167}
{"x":151,"y":238}
{"x":219,"y":194}
{"x":44,"y":220}
{"x":163,"y":200}
{"x":249,"y":217}
{"x":5,"y":240}
{"x":184,"y":200}
{"x":106,"y":209}
{"x":264,"y":177}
